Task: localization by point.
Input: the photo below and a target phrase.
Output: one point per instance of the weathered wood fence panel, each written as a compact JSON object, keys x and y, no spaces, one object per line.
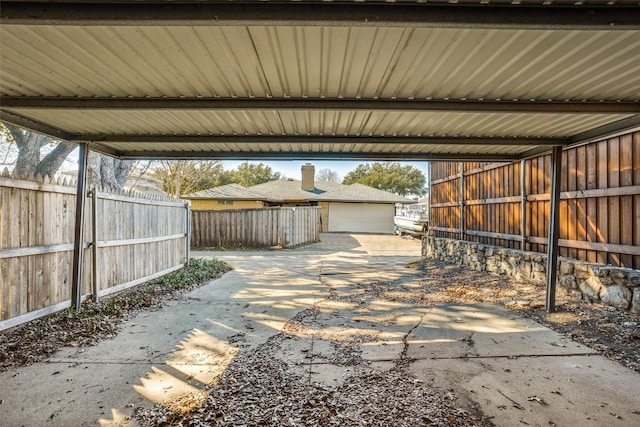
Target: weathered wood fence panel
{"x":137,"y":239}
{"x":256,"y":228}
{"x":508,"y":204}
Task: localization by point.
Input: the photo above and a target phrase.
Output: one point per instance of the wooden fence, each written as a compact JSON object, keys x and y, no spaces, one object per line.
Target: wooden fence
{"x":256,"y":228}
{"x":128,"y":240}
{"x":508,"y":204}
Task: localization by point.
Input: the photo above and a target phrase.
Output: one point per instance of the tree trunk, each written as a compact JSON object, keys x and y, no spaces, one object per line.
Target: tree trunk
{"x":107,"y":173}
{"x":29,"y":145}
{"x":52,"y":161}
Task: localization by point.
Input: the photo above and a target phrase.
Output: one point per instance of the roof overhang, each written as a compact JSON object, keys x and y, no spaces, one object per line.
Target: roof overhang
{"x":328,"y":80}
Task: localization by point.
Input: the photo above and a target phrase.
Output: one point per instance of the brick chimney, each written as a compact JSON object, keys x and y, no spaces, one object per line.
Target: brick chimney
{"x":308,"y":177}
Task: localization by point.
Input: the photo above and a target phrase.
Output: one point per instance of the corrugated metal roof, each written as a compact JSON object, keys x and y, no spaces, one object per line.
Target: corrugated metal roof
{"x":316,"y":62}
{"x":180,"y":60}
{"x":322,"y":123}
{"x":227,"y":192}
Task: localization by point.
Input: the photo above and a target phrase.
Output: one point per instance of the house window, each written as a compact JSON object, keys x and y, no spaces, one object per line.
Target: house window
{"x":225,"y":202}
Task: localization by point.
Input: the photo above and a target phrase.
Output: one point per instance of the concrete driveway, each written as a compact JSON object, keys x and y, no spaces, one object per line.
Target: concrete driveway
{"x":512,"y":369}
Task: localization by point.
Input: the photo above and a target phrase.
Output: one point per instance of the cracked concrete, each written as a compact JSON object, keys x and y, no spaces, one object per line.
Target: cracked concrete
{"x":334,"y":300}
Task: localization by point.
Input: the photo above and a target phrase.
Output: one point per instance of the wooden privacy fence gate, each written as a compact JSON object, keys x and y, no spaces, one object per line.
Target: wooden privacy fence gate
{"x":256,"y":228}
{"x":508,"y":204}
{"x":128,"y":240}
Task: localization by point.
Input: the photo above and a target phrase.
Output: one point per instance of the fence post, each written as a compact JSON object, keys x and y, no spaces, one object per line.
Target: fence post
{"x":430,"y":195}
{"x":523,"y":205}
{"x":78,"y":233}
{"x":554,"y":222}
{"x":462,"y":224}
{"x":187,"y":233}
{"x":94,"y":243}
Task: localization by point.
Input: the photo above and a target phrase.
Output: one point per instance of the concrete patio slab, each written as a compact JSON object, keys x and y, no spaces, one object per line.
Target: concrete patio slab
{"x":484,"y":330}
{"x":588,"y":391}
{"x":514,"y":370}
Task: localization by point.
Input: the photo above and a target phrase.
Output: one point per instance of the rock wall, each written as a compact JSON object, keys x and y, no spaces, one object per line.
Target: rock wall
{"x":615,"y":286}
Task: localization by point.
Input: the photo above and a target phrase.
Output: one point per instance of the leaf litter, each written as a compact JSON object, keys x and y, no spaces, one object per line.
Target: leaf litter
{"x":259,"y":388}
{"x":97,"y":321}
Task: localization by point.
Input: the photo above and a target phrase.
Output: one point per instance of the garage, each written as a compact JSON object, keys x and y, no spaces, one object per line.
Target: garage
{"x":361,"y":217}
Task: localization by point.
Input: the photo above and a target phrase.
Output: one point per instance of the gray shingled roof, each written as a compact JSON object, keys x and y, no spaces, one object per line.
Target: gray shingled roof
{"x":228,"y":192}
{"x":361,"y":193}
{"x":284,"y":190}
{"x":290,"y":189}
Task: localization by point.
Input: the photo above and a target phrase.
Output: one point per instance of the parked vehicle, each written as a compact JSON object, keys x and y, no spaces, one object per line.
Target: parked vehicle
{"x":411,"y":219}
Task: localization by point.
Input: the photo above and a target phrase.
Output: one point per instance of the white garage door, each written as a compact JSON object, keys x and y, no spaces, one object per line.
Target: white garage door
{"x":361,"y":217}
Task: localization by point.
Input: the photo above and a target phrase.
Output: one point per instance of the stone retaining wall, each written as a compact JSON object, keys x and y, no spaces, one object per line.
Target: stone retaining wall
{"x":619,"y":287}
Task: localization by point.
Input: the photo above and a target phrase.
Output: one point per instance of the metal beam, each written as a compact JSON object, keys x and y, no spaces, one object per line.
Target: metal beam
{"x":607,"y":130}
{"x":310,"y":139}
{"x":78,"y":234}
{"x":369,"y":14}
{"x":25,"y":123}
{"x":554,"y":228}
{"x":299,"y":155}
{"x":316,"y":104}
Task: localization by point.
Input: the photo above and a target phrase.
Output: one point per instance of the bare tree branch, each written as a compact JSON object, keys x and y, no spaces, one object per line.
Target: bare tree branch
{"x":52,"y":161}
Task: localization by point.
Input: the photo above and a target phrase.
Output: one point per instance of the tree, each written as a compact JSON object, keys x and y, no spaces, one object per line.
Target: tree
{"x":102,"y":171}
{"x":30,"y":145}
{"x":180,"y":177}
{"x":249,"y":174}
{"x":107,"y":173}
{"x":327,"y":175}
{"x":389,"y":176}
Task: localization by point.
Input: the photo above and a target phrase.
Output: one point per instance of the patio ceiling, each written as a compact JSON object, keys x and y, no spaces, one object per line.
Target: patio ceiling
{"x":321,"y":80}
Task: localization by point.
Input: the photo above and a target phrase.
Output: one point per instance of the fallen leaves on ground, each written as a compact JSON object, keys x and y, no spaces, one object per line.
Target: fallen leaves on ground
{"x":613,"y":332}
{"x":260,"y":389}
{"x":38,"y":339}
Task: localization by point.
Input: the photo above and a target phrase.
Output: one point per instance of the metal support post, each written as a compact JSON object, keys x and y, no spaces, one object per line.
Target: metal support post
{"x":523,"y":206}
{"x":554,"y":223}
{"x":78,"y":234}
{"x":187,"y":233}
{"x":429,"y":206}
{"x":462,"y":224}
{"x":94,"y":244}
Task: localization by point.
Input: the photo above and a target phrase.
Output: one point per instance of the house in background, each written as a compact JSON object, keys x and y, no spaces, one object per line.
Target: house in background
{"x":345,"y":208}
{"x":230,"y":196}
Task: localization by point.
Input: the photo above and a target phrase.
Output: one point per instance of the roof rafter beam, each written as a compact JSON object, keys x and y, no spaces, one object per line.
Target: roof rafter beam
{"x":35,"y":126}
{"x":299,"y":155}
{"x":570,"y":17}
{"x":304,"y":139}
{"x":607,"y":130}
{"x":489,"y":106}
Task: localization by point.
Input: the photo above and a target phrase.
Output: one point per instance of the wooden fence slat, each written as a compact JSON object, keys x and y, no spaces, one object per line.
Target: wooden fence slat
{"x":141,"y":237}
{"x":614,"y":202}
{"x":264,"y":227}
{"x":636,"y":198}
{"x":600,"y":207}
{"x":626,"y":202}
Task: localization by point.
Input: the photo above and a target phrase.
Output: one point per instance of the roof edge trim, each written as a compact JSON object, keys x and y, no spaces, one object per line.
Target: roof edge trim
{"x":590,"y":17}
{"x":341,"y":104}
{"x":252,"y":155}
